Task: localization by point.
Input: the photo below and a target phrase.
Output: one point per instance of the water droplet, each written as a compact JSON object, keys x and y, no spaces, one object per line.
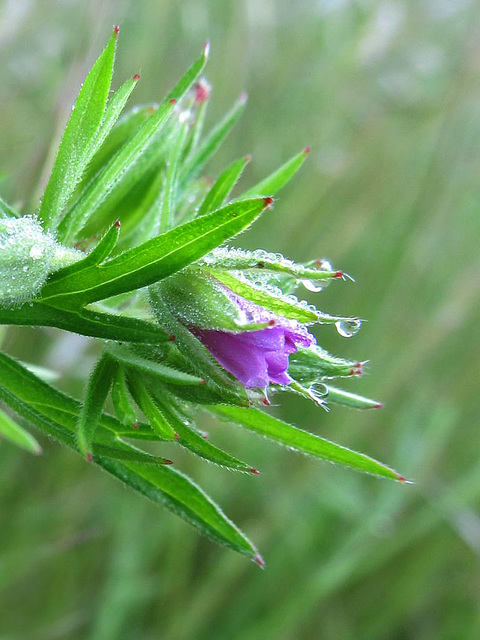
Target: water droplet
{"x":348,"y":327}
{"x":315,"y":285}
{"x":36,"y":253}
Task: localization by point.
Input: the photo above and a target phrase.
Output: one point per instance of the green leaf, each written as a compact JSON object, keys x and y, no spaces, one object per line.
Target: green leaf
{"x":278,"y":179}
{"x":76,"y":148}
{"x":6,"y":210}
{"x":184,"y":84}
{"x":97,"y":390}
{"x":213,"y":140}
{"x":113,"y":110}
{"x":167,"y":211}
{"x":281,"y":305}
{"x":160,"y":483}
{"x":13,"y":432}
{"x":120,"y":164}
{"x":145,"y":403}
{"x":308,"y":443}
{"x":155,"y":259}
{"x":164,"y":485}
{"x":222,"y":186}
{"x":339,"y":396}
{"x":262,"y":261}
{"x":189,"y":438}
{"x":167,"y":374}
{"x":85,"y":322}
{"x":120,"y":398}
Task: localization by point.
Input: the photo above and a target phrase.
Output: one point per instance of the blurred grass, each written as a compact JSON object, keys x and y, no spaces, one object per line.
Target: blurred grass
{"x":388,"y":95}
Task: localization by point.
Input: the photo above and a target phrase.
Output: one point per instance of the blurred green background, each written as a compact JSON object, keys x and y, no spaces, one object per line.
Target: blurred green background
{"x":387,"y":93}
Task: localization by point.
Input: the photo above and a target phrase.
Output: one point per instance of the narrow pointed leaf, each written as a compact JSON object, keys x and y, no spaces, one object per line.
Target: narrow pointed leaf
{"x":167,"y":211}
{"x":76,"y":148}
{"x":222,"y":186}
{"x":211,"y":143}
{"x":308,"y":443}
{"x":158,"y":370}
{"x":112,"y":173}
{"x":184,"y":84}
{"x":85,"y":322}
{"x":167,"y":486}
{"x":120,"y":398}
{"x":113,"y":110}
{"x":6,"y":210}
{"x":196,"y":443}
{"x":339,"y":396}
{"x":287,"y":307}
{"x":97,"y":390}
{"x":16,"y":434}
{"x":155,"y":259}
{"x":279,"y":178}
{"x":145,"y":403}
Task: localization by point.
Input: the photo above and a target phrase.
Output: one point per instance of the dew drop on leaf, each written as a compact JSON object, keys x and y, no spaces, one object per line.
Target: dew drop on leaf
{"x":348,"y":328}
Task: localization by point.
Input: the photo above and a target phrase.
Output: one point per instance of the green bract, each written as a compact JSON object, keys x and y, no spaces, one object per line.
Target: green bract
{"x":128,"y":245}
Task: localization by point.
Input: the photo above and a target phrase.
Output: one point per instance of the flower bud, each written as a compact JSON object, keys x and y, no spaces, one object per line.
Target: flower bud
{"x":27,"y":256}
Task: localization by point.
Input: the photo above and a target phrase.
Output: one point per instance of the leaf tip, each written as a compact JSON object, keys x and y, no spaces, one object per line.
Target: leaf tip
{"x":243,"y":97}
{"x":136,"y":77}
{"x":118,"y":224}
{"x":116,"y":30}
{"x":307,"y":150}
{"x":253,"y":471}
{"x":268,"y":202}
{"x":258,"y":560}
{"x":206,"y":50}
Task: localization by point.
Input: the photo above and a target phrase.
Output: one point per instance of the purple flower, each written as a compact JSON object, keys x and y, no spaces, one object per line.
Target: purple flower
{"x":257,"y":358}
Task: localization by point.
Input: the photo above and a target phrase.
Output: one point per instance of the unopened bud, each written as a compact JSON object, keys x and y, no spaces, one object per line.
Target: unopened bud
{"x":28,"y":255}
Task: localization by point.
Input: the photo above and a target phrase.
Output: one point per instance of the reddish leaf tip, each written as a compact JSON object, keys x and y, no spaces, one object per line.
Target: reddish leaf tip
{"x":176,"y":436}
{"x":259,"y":560}
{"x":205,"y":435}
{"x":403,"y":480}
{"x":116,"y":29}
{"x":271,"y":323}
{"x":379,"y":405}
{"x":168,"y":462}
{"x":338,"y":274}
{"x":118,"y":224}
{"x":202,"y":91}
{"x":268,"y":202}
{"x":255,"y":472}
{"x":266,"y":401}
{"x":203,"y":382}
{"x":248,"y":158}
{"x":89,"y":457}
{"x":136,"y":76}
{"x":307,"y":150}
{"x":173,"y":101}
{"x":135,"y":425}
